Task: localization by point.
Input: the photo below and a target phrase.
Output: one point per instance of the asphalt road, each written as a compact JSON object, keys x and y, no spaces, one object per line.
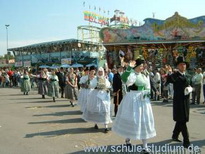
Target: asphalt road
{"x":31,"y":125}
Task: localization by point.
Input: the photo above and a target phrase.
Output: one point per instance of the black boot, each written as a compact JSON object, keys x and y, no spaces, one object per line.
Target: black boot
{"x":96,"y":126}
{"x":128,"y":143}
{"x":54,"y":99}
{"x":72,"y":104}
{"x":43,"y":96}
{"x":106,"y":130}
{"x":24,"y":93}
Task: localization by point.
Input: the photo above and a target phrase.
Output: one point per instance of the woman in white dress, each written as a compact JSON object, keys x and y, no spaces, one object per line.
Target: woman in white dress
{"x":98,"y":102}
{"x":135,"y":119}
{"x":85,"y":87}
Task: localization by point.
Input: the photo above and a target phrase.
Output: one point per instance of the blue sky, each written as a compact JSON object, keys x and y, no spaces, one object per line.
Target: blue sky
{"x":35,"y":21}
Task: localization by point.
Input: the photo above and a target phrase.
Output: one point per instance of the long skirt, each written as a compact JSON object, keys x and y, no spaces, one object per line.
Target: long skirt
{"x":71,"y":93}
{"x":134,"y":118}
{"x":53,"y":89}
{"x":42,"y":87}
{"x":82,"y":98}
{"x":25,"y":86}
{"x":98,"y":107}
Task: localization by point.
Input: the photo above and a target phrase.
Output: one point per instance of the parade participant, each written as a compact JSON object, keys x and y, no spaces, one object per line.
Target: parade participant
{"x":53,"y":86}
{"x":62,"y":80}
{"x":197,"y":85}
{"x":204,"y":86}
{"x":42,"y":83}
{"x":135,"y":119}
{"x":71,"y":87}
{"x":25,"y":84}
{"x":98,"y":103}
{"x":85,"y":87}
{"x":82,"y":95}
{"x":117,"y":88}
{"x":181,"y":82}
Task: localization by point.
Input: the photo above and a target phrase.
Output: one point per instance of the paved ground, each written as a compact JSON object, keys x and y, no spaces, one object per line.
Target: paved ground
{"x":31,"y":125}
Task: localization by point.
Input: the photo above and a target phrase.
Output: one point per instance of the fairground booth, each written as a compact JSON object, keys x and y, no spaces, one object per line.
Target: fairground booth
{"x":159,"y":41}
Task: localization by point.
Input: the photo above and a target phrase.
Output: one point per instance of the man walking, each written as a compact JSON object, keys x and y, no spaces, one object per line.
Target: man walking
{"x":62,"y":80}
{"x":181,"y":81}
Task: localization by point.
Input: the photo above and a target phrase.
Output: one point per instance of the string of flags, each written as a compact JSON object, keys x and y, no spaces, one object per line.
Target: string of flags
{"x":95,"y":8}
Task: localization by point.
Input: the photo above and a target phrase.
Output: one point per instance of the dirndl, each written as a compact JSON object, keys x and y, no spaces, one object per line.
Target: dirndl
{"x":25,"y":86}
{"x":53,"y":89}
{"x":42,"y":87}
{"x":71,"y":93}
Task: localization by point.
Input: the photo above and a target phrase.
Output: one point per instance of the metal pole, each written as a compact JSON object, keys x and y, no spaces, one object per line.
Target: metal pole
{"x":7,"y":44}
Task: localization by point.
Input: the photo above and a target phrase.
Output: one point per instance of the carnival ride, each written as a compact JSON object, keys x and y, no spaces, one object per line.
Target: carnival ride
{"x":159,"y":41}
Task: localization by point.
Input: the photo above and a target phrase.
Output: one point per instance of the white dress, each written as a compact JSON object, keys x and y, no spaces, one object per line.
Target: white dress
{"x":134,"y":118}
{"x":98,"y":104}
{"x":84,"y":92}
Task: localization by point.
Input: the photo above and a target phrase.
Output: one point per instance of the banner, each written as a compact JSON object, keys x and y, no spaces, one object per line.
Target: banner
{"x":18,"y":64}
{"x":27,"y":63}
{"x":96,"y":18}
{"x":66,"y":61}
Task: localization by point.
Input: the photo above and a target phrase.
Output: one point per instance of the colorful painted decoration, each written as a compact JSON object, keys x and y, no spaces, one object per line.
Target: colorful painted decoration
{"x":173,"y":28}
{"x":96,"y":18}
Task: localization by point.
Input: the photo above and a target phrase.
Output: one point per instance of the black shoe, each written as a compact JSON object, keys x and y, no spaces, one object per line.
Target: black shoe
{"x":72,"y":104}
{"x":129,"y":145}
{"x":96,"y":126}
{"x":54,"y":99}
{"x":176,"y":139}
{"x":43,"y":96}
{"x":27,"y":93}
{"x":24,"y":93}
{"x":145,"y":152}
{"x":187,"y":146}
{"x":62,"y":97}
{"x":106,"y":130}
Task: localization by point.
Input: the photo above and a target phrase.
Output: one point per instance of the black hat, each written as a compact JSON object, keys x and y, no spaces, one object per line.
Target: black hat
{"x":119,"y":66}
{"x":139,"y":61}
{"x":92,"y":68}
{"x":180,"y":59}
{"x":86,"y":69}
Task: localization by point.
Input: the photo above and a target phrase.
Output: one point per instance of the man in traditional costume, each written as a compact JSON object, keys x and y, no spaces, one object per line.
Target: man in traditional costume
{"x":62,"y":80}
{"x":117,"y":88}
{"x":182,"y":89}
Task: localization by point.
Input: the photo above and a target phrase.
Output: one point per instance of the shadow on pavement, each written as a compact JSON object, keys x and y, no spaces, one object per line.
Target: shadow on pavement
{"x":53,"y":106}
{"x":60,"y":113}
{"x":77,"y":120}
{"x":64,"y":132}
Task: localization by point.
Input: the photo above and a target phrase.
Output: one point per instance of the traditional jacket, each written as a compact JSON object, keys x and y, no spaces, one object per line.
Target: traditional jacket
{"x":117,"y":87}
{"x":135,"y":81}
{"x":180,"y":100}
